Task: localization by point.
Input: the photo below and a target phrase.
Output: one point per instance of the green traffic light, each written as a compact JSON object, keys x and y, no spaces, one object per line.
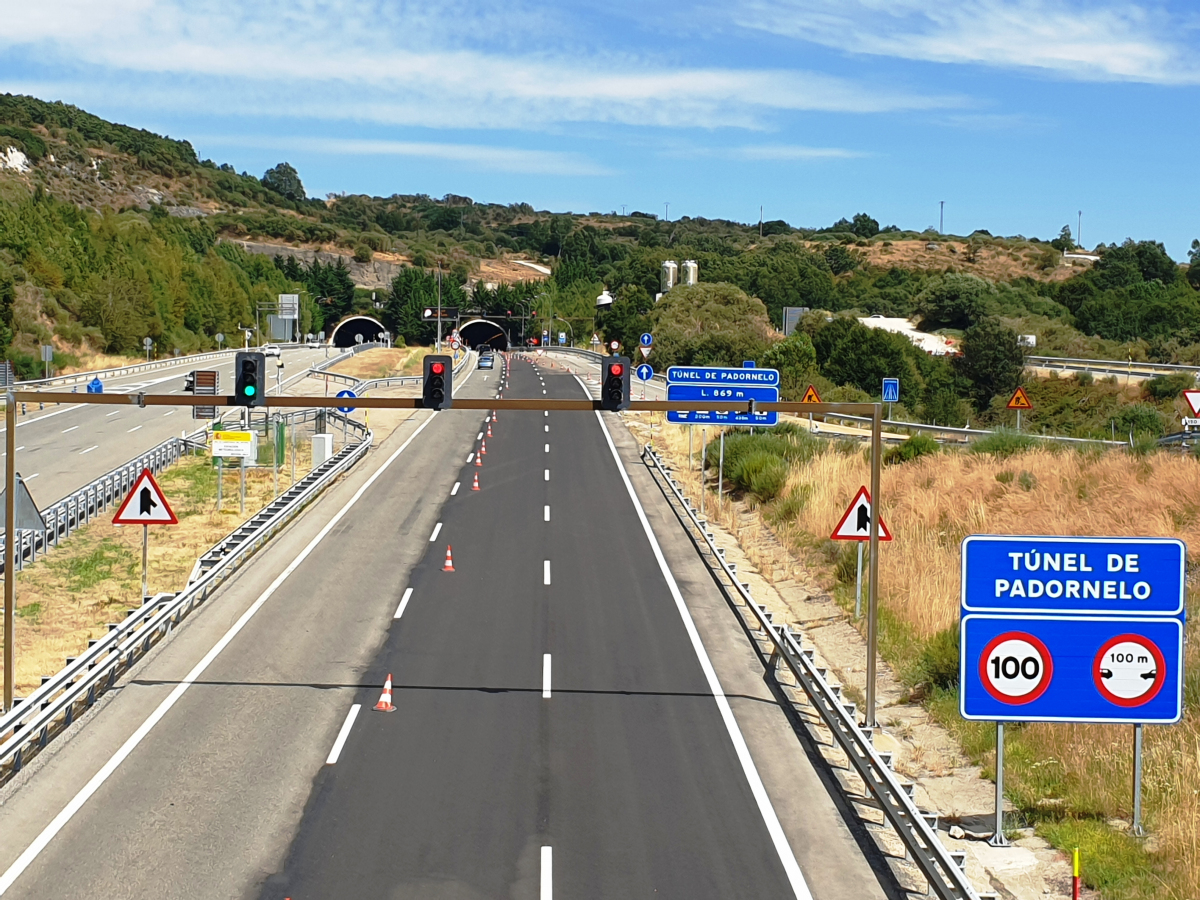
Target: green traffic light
{"x":249,"y":390}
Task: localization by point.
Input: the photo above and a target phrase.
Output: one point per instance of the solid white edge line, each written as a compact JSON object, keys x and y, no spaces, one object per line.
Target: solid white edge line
{"x":470,"y":456}
{"x":545,"y":676}
{"x":436,"y":530}
{"x":765,"y":807}
{"x":546,"y":572}
{"x":546,"y":513}
{"x":56,"y":825}
{"x":343,"y":734}
{"x":403,"y":603}
{"x":547,"y":884}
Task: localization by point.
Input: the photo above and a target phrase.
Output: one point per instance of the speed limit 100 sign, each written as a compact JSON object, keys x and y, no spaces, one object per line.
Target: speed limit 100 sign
{"x":1015,"y":667}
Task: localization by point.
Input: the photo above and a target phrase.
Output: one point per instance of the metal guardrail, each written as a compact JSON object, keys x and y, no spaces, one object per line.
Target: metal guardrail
{"x":52,"y":707}
{"x":1115,"y":366}
{"x":942,"y":870}
{"x":80,"y":506}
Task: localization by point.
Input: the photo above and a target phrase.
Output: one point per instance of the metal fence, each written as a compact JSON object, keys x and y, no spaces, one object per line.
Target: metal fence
{"x":942,"y":870}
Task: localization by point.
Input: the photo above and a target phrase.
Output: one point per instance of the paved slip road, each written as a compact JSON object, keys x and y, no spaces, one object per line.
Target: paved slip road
{"x":607,"y":770}
{"x":62,"y":448}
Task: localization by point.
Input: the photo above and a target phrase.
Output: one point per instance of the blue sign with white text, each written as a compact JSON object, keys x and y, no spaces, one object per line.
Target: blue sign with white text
{"x":721,"y":397}
{"x":891,"y":390}
{"x":722,"y":376}
{"x":1072,"y":629}
{"x":1079,"y":575}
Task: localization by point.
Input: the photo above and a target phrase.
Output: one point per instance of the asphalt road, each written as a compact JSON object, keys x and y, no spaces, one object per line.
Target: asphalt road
{"x":560,"y":727}
{"x":62,"y":448}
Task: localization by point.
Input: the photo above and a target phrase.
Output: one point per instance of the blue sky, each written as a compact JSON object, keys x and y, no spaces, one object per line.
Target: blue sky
{"x":1016,"y":113}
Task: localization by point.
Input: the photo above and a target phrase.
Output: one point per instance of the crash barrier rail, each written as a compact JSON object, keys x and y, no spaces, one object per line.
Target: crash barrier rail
{"x":942,"y":870}
{"x":82,"y":505}
{"x":51,"y":708}
{"x":359,"y":386}
{"x":1115,"y":366}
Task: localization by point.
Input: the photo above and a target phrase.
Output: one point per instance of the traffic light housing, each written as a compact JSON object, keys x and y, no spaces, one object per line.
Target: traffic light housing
{"x":437,"y":387}
{"x":614,"y":388}
{"x":250,"y":379}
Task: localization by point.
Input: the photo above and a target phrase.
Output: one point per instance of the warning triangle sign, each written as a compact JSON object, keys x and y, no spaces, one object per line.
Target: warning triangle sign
{"x":29,"y":518}
{"x":856,"y":523}
{"x":1020,"y":400}
{"x":811,"y":396}
{"x":645,"y":351}
{"x":145,"y":504}
{"x":1193,"y":400}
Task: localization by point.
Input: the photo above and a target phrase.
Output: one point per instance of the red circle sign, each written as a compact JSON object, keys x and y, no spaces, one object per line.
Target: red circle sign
{"x":1015,"y":668}
{"x":1129,"y":670}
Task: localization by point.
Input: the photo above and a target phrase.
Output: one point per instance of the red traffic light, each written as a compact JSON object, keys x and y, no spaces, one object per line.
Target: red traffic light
{"x":616,"y":369}
{"x":437,"y":368}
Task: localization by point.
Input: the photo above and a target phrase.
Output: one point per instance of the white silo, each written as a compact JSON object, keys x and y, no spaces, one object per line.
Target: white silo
{"x":670,"y":272}
{"x":690,"y":273}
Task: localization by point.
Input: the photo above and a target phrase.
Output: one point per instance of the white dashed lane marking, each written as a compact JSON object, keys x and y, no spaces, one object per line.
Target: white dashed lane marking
{"x":546,"y":572}
{"x":546,"y":514}
{"x":547,"y":477}
{"x":436,"y":530}
{"x":343,"y":734}
{"x":454,"y":490}
{"x":403,"y":603}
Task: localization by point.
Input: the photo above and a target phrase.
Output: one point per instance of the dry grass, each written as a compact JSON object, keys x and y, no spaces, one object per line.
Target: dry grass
{"x":929,"y":505}
{"x":69,"y":595}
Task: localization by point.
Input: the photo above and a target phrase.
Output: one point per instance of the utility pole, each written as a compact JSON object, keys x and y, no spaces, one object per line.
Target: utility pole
{"x":1079,"y":231}
{"x":760,"y":214}
{"x":622,"y":210}
{"x":439,"y":316}
{"x":667,"y":210}
{"x":941,"y":217}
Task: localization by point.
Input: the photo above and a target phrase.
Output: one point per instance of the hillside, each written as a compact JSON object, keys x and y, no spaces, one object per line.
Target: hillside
{"x":109,"y":234}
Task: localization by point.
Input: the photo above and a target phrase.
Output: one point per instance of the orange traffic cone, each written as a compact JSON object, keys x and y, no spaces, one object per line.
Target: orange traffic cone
{"x":385,"y":699}
{"x":489,"y":434}
{"x":483,"y":448}
{"x":478,"y":460}
{"x":449,"y":566}
{"x":475,"y":486}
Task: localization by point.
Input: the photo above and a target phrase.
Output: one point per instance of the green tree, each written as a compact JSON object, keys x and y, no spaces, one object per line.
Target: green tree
{"x":708,"y":324}
{"x":1193,"y":272}
{"x":796,"y":360}
{"x":864,"y":226}
{"x":285,"y":181}
{"x":953,"y":301}
{"x":8,"y":296}
{"x":992,"y":361}
{"x":1064,"y":240}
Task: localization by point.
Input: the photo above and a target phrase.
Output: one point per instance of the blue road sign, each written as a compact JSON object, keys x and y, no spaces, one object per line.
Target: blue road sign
{"x":95,"y":386}
{"x":1071,"y":629}
{"x":722,"y":376}
{"x":721,"y":397}
{"x":647,"y":339}
{"x":347,"y":409}
{"x":645,"y":372}
{"x":891,"y":390}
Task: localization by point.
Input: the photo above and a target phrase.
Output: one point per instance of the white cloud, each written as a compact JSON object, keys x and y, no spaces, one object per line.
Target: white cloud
{"x":452,"y":66}
{"x":1086,"y":41}
{"x":496,"y":159}
{"x":767,"y":153}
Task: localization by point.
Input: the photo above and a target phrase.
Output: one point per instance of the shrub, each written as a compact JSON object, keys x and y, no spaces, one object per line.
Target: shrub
{"x":1003,"y":443}
{"x":938,"y":660}
{"x":761,"y":473}
{"x":1168,"y":387}
{"x":363,"y":254}
{"x":1140,"y":419}
{"x":916,"y":446}
{"x":1027,"y":480}
{"x":1085,"y":379}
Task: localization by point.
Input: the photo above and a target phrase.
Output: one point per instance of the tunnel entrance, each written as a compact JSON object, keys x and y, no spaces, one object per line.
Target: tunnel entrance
{"x":480,"y":332}
{"x":345,"y":330}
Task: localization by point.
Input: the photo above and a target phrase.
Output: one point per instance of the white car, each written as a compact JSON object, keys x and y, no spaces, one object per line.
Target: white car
{"x":271,"y":350}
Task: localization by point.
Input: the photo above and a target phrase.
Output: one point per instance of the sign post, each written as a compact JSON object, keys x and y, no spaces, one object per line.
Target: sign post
{"x":145,"y":506}
{"x":1072,"y":629}
{"x":1019,"y":401}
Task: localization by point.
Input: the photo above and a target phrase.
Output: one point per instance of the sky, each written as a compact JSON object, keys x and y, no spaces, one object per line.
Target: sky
{"x":1018,"y":114}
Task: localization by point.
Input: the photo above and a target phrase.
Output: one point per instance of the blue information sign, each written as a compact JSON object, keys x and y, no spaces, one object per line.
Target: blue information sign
{"x":1072,"y":629}
{"x":645,"y":372}
{"x":722,"y":376}
{"x":891,"y":390}
{"x":720,"y":397}
{"x":347,"y":409}
{"x":647,"y":339}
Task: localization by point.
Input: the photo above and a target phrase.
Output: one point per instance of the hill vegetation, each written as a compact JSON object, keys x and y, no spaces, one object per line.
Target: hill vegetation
{"x":113,"y":234}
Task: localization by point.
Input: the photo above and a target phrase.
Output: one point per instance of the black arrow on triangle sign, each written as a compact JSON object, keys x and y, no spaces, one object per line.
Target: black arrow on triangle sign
{"x":864,"y":518}
{"x":146,"y":502}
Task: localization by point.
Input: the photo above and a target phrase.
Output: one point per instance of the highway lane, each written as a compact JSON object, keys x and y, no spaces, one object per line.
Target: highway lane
{"x":625,"y":780}
{"x":63,"y":448}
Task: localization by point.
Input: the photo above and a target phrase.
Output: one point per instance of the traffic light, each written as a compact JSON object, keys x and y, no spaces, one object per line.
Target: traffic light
{"x":250,"y":379}
{"x":437,"y":389}
{"x":614,"y":393}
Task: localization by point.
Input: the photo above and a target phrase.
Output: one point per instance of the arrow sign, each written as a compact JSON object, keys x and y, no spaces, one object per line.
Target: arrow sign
{"x":145,"y":504}
{"x":1019,"y":400}
{"x":645,"y":372}
{"x":856,"y":523}
{"x":347,"y":409}
{"x":647,"y":339}
{"x":1193,"y":400}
